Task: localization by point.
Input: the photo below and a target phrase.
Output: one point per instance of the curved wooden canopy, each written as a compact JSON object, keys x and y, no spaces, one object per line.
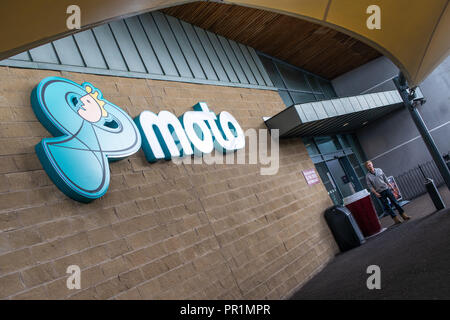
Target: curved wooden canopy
{"x":315,"y":48}
{"x":414,"y":33}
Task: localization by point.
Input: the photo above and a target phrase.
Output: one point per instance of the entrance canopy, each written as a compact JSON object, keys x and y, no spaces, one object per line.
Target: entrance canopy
{"x":414,"y":33}
{"x":335,"y":116}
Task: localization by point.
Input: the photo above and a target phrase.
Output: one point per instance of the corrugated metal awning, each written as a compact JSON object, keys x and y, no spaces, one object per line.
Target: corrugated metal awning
{"x":335,"y":116}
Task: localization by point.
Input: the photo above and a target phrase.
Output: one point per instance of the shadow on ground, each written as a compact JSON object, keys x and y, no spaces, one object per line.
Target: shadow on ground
{"x":414,"y":259}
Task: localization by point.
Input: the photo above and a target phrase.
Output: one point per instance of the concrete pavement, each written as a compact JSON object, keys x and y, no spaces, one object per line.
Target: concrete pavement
{"x":414,"y":259}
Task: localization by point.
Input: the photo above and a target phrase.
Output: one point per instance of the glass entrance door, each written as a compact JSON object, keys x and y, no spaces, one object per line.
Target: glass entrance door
{"x":351,"y":173}
{"x":329,"y":184}
{"x":338,"y":160}
{"x":341,"y":178}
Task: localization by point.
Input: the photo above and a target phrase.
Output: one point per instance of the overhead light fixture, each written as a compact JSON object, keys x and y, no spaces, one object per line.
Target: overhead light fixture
{"x":345,"y":124}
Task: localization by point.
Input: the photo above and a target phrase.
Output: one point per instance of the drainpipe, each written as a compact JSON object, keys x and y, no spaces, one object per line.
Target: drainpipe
{"x":411,"y":105}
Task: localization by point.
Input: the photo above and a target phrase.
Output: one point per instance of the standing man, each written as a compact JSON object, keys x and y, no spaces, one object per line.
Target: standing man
{"x":379,"y":185}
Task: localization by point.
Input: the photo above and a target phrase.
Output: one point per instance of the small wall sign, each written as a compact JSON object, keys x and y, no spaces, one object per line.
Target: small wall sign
{"x":311,"y":176}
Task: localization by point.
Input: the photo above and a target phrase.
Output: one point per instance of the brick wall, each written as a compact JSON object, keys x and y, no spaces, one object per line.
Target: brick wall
{"x":162,"y":231}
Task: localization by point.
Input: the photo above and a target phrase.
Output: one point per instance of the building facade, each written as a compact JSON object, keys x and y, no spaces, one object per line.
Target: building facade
{"x":162,"y":230}
{"x":167,"y":230}
{"x":405,"y":142}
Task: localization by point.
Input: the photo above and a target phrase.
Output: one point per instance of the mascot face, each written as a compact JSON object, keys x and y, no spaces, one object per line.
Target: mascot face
{"x":90,"y":110}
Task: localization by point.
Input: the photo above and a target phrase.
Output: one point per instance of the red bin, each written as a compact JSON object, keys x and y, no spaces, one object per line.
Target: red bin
{"x":362,"y":209}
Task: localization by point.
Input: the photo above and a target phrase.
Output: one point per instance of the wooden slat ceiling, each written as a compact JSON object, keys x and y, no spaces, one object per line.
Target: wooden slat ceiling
{"x":315,"y":48}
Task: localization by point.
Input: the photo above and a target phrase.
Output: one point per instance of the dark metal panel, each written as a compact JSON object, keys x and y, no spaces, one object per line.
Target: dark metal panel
{"x":301,"y":130}
{"x":286,"y":97}
{"x":234,"y":60}
{"x":199,"y":50}
{"x":243,"y":62}
{"x":127,"y":47}
{"x":143,"y":46}
{"x":89,"y":50}
{"x":316,"y":128}
{"x":353,"y":120}
{"x":212,"y":55}
{"x":254,"y":69}
{"x":328,"y":125}
{"x":222,"y":57}
{"x":186,"y":48}
{"x":260,"y":66}
{"x":285,"y":120}
{"x":68,"y":52}
{"x":109,"y":48}
{"x":44,"y":53}
{"x":172,"y":45}
{"x":158,"y":45}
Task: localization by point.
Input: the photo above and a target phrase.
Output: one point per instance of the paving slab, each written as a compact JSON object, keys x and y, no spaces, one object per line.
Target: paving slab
{"x":414,"y":259}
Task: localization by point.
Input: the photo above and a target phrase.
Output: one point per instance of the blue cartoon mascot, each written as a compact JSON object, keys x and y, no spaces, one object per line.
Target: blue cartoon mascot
{"x":88,"y":131}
